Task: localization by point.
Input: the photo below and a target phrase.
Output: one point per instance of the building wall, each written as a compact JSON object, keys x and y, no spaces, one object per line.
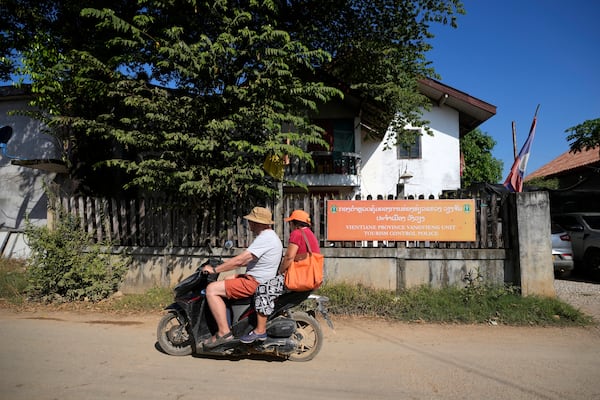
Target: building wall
{"x":22,"y":189}
{"x":437,"y":170}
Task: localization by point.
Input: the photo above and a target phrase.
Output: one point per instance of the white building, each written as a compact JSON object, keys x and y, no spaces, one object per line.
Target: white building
{"x":22,"y":193}
{"x":359,"y":166}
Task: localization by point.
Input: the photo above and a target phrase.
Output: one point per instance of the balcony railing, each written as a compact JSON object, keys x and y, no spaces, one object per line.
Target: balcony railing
{"x":334,"y":168}
{"x":327,"y":162}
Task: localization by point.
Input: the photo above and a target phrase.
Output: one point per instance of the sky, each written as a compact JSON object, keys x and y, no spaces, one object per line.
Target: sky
{"x":516,"y":54}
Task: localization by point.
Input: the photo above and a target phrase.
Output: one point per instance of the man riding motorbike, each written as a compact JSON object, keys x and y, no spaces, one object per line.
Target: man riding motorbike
{"x":267,"y":292}
{"x":261,"y":259}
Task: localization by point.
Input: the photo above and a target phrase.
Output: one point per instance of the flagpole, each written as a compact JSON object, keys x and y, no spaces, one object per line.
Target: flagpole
{"x":514,"y":180}
{"x":514,"y":132}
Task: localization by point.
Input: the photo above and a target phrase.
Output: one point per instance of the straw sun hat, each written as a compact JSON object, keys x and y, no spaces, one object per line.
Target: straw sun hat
{"x":260,"y":215}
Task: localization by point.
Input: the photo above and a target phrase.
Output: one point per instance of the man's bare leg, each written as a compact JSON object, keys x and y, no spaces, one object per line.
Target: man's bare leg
{"x":215,"y":292}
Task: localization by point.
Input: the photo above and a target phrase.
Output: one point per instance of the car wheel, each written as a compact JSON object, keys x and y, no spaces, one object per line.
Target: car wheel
{"x":562,"y":275}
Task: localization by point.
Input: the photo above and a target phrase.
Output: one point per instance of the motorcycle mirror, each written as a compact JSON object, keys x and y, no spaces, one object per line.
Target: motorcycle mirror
{"x":208,"y":246}
{"x":228,"y":245}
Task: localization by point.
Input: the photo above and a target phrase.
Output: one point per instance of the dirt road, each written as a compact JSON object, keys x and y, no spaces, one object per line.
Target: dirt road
{"x":95,"y":356}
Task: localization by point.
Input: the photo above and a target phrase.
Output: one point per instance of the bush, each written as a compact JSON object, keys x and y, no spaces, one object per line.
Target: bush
{"x":66,"y":265}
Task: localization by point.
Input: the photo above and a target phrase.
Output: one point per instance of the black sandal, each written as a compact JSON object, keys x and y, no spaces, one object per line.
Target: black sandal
{"x":219,"y":340}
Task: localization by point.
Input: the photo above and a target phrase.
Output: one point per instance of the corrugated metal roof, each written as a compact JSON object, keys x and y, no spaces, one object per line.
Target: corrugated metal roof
{"x":566,"y":162}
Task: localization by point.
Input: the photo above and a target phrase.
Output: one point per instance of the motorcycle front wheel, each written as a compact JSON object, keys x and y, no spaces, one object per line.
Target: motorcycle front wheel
{"x":173,"y":336}
{"x":309,"y":337}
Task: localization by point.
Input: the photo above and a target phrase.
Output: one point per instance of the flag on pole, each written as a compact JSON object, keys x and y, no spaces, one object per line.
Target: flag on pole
{"x":514,"y":181}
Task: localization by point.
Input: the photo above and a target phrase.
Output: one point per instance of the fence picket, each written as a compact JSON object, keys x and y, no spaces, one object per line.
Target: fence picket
{"x":159,"y":222}
{"x":123,"y":214}
{"x":133,"y":221}
{"x":115,"y":221}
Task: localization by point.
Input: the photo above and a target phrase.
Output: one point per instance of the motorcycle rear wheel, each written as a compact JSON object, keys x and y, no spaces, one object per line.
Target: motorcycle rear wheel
{"x":173,"y":336}
{"x":309,"y":337}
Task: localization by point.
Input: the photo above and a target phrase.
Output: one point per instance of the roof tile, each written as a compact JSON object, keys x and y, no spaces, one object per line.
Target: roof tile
{"x":567,"y":161}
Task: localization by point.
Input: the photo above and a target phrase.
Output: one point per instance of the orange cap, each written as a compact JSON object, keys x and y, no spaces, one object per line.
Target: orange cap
{"x":299,"y":215}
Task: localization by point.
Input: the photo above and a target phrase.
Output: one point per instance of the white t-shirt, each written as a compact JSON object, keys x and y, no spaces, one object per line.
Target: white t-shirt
{"x":268,"y":249}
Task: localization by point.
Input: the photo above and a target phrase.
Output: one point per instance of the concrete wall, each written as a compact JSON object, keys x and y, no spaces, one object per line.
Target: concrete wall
{"x":381,"y":268}
{"x":397,"y":269}
{"x":162,"y":267}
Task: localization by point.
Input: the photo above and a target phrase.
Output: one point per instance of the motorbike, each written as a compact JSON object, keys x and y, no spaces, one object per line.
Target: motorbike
{"x":293,"y":331}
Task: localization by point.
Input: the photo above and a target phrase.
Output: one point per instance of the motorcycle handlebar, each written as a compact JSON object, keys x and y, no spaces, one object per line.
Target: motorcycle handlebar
{"x":228,"y":245}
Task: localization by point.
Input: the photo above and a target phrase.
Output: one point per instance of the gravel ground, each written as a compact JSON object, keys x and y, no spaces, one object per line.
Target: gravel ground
{"x":580,"y":294}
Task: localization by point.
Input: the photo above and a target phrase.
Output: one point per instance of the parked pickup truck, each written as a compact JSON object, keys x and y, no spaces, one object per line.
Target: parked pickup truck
{"x":584,"y":229}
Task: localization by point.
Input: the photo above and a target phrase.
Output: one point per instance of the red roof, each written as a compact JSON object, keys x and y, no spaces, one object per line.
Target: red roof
{"x":566,"y":162}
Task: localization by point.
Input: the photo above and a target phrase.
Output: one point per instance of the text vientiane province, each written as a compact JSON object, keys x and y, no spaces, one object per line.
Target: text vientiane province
{"x":438,"y":220}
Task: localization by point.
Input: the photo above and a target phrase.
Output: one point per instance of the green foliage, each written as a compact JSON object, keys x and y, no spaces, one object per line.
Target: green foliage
{"x":480,"y":165}
{"x":378,"y":49}
{"x":584,"y":136}
{"x":65,"y":265}
{"x":190,"y":97}
{"x":544,"y":183}
{"x":13,"y":280}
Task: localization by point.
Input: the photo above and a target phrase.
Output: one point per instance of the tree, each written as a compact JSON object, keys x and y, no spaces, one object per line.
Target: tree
{"x":480,"y":166}
{"x":543,"y":182}
{"x":189,"y":97}
{"x":584,"y":136}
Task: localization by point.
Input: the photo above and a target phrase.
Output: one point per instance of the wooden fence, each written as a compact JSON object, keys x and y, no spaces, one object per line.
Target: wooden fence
{"x":160,"y":222}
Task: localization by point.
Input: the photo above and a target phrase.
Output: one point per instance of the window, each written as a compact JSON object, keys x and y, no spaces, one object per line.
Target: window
{"x":413,"y":151}
{"x":343,"y":135}
{"x":339,"y":133}
{"x":592,"y":220}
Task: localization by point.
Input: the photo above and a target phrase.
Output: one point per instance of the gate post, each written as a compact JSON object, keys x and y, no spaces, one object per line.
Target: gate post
{"x":530,"y":244}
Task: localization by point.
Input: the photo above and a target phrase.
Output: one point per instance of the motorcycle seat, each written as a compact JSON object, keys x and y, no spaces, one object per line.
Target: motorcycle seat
{"x":290,"y":299}
{"x":242,"y":302}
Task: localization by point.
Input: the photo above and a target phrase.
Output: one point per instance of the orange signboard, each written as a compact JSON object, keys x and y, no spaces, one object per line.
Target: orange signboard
{"x":401,"y":220}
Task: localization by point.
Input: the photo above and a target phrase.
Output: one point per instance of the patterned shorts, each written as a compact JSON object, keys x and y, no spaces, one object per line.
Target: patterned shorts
{"x":266,"y":293}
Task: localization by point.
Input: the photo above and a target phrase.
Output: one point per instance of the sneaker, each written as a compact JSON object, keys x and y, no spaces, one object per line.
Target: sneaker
{"x":252,"y":337}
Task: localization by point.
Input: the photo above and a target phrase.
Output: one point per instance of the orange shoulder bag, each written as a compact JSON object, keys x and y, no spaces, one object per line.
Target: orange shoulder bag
{"x":306,"y":274}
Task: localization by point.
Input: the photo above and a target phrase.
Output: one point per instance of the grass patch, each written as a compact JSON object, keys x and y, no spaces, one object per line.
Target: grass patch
{"x":152,"y":300}
{"x":453,"y":305}
{"x":13,"y":280}
{"x":474,"y":304}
